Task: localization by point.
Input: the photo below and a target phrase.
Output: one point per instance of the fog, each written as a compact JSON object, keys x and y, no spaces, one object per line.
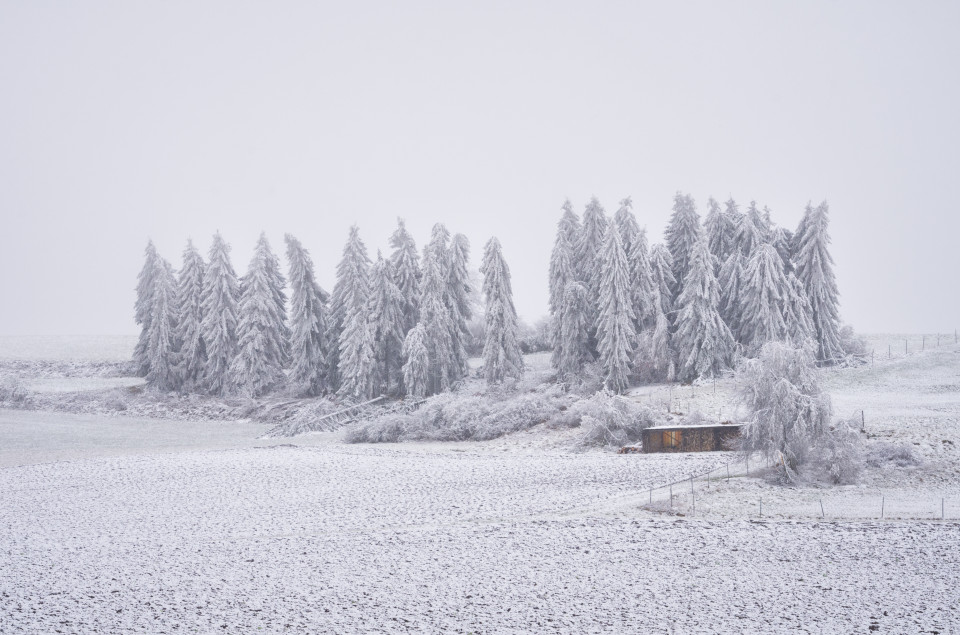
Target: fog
{"x":121,"y":122}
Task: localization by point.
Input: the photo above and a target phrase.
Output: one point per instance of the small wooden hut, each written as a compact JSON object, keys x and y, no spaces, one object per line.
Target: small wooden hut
{"x":698,"y":438}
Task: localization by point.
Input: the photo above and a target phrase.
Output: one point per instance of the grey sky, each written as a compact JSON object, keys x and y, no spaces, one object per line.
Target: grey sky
{"x":121,"y":121}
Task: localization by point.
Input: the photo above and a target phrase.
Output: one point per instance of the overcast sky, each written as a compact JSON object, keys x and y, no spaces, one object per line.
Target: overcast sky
{"x":123,"y":121}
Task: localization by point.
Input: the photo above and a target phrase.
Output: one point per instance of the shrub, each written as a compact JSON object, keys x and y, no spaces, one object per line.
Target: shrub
{"x":610,"y":420}
{"x":900,"y":454}
{"x":839,"y":453}
{"x":12,"y":390}
{"x":852,"y":345}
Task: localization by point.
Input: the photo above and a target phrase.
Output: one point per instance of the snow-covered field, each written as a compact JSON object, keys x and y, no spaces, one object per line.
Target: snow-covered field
{"x":124,"y":525}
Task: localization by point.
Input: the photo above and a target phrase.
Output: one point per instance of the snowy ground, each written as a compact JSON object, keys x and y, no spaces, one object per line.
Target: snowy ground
{"x":122,"y":525}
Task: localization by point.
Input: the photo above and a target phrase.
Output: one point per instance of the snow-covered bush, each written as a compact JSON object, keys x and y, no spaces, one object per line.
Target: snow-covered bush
{"x":12,"y":390}
{"x":899,"y":454}
{"x":610,"y":420}
{"x":458,"y":417}
{"x":852,"y":344}
{"x":789,"y":412}
{"x":838,"y":454}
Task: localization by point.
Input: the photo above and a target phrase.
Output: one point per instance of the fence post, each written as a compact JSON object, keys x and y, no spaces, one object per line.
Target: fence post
{"x":761,"y":508}
{"x":938,"y":340}
{"x":889,"y":354}
{"x":873,"y":359}
{"x":941,"y":509}
{"x":822,"y":515}
{"x":728,"y":471}
{"x":923,"y":343}
{"x":747,"y":461}
{"x":863,"y":422}
{"x":671,"y":496}
{"x":883,"y":502}
{"x":906,"y":348}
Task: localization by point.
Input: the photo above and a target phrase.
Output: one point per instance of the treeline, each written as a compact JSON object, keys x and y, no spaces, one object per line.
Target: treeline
{"x":687,"y":308}
{"x":396,"y":326}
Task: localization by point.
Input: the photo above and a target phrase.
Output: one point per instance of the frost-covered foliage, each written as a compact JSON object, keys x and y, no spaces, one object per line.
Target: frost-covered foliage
{"x":682,"y":234}
{"x":436,"y":322}
{"x":309,"y":343}
{"x":852,"y":344}
{"x":574,"y":349}
{"x":883,"y":454}
{"x":730,"y":280}
{"x":751,"y":231}
{"x":501,"y":351}
{"x":221,"y":291}
{"x":661,"y":270}
{"x":356,"y":363}
{"x":387,"y":320}
{"x":405,"y":262}
{"x":459,"y":303}
{"x":610,"y":420}
{"x":456,"y":417}
{"x":562,"y":260}
{"x":838,"y":454}
{"x":762,"y":300}
{"x":143,"y":307}
{"x":702,"y":341}
{"x":587,"y":261}
{"x":162,"y":334}
{"x":616,"y":336}
{"x":788,"y":411}
{"x":815,"y":270}
{"x":416,"y":370}
{"x":643,"y":290}
{"x":721,"y":230}
{"x":192,"y":353}
{"x":12,"y":391}
{"x":262,"y":333}
{"x":654,"y":358}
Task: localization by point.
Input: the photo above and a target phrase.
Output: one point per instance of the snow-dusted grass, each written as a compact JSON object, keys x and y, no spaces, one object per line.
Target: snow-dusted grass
{"x":89,"y":348}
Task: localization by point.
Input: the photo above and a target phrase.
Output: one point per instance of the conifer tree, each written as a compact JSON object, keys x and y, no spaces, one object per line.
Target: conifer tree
{"x":798,"y":235}
{"x":661,"y":270}
{"x":309,"y":343}
{"x":781,"y":239}
{"x":720,"y":231}
{"x":261,"y":326}
{"x":615,"y":325}
{"x":681,"y":235}
{"x":436,"y":323}
{"x":161,"y":334}
{"x":192,"y":353}
{"x":731,"y":280}
{"x":351,"y":296}
{"x":762,"y":300}
{"x":459,"y":297}
{"x":573,"y":352}
{"x":501,"y":352}
{"x":751,"y":232}
{"x":796,"y":312}
{"x":562,"y":272}
{"x":643,"y":287}
{"x":219,"y":308}
{"x":143,"y":307}
{"x":386,"y":313}
{"x":815,"y":270}
{"x":703,"y":342}
{"x":626,"y":224}
{"x":405,"y":262}
{"x":587,"y":261}
{"x":416,"y":370}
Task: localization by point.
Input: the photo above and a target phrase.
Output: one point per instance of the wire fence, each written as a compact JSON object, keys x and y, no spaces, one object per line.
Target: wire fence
{"x":709,"y":494}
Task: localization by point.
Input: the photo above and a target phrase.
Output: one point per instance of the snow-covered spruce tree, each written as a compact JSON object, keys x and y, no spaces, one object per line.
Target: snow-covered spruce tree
{"x":405,"y":262}
{"x":661,"y":270}
{"x":587,"y":261}
{"x":751,"y":231}
{"x":656,"y":353}
{"x":683,"y":231}
{"x":143,"y":307}
{"x":720,"y":229}
{"x":386,"y":314}
{"x":789,"y":411}
{"x":221,"y":291}
{"x":573,"y":315}
{"x":781,"y":239}
{"x":643,"y":289}
{"x":815,"y":270}
{"x":762,"y":299}
{"x":800,"y":232}
{"x":562,"y":272}
{"x":309,"y":343}
{"x":703,"y":343}
{"x":192,"y":353}
{"x":501,"y":351}
{"x":796,"y":312}
{"x":355,"y":361}
{"x":416,"y":370}
{"x":615,"y":325}
{"x":731,"y":280}
{"x":459,"y":300}
{"x":261,"y":327}
{"x":626,"y":223}
{"x":162,"y":334}
{"x":436,"y":323}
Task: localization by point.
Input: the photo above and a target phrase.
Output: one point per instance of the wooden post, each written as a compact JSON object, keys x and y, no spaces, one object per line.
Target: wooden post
{"x":728,"y":471}
{"x":889,"y":355}
{"x":863,"y":422}
{"x":873,"y":357}
{"x":941,"y":509}
{"x":822,"y":515}
{"x":761,"y":508}
{"x":906,"y":348}
{"x":671,"y":496}
{"x":691,"y":483}
{"x":883,"y":502}
{"x":747,"y":461}
{"x":923,"y":343}
{"x":938,"y":340}
{"x":651,"y":496}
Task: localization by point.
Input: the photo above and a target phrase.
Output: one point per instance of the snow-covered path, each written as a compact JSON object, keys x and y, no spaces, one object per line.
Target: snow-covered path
{"x":358,"y":539}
